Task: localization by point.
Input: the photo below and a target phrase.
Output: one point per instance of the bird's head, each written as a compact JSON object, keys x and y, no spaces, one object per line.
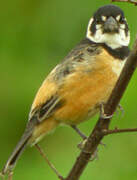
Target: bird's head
{"x":109,"y":26}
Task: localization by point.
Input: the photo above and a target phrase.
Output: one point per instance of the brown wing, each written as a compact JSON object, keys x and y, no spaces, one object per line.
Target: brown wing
{"x":48,"y":98}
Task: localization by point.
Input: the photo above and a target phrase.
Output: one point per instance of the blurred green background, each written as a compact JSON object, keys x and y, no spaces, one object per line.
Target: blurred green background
{"x":34,"y":37}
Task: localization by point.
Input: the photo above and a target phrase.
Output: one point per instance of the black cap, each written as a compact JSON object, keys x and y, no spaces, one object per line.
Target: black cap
{"x":108,"y":10}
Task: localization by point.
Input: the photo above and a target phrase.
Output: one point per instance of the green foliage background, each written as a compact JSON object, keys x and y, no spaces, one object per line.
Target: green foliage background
{"x":34,"y":37}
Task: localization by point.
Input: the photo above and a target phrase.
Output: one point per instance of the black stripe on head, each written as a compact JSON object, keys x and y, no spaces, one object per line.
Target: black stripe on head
{"x":93,"y":27}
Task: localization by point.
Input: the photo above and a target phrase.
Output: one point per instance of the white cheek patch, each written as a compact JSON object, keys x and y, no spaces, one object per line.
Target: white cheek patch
{"x":123,"y":38}
{"x":98,"y":26}
{"x":112,"y":40}
{"x":122,"y":26}
{"x":97,"y":36}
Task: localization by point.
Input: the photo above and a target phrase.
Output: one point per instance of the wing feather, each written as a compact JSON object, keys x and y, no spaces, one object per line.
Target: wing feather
{"x":46,"y":109}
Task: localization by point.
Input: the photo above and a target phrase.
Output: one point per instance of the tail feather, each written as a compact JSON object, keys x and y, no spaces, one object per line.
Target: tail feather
{"x":24,"y":141}
{"x":17,"y":152}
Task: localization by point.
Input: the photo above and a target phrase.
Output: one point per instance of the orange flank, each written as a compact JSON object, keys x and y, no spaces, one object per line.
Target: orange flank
{"x":85,"y":91}
{"x":82,"y":92}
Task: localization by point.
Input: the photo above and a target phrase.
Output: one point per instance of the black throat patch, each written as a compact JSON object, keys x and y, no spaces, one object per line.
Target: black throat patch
{"x":120,"y":53}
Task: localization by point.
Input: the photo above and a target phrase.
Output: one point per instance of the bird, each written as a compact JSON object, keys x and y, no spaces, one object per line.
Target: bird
{"x":76,"y":88}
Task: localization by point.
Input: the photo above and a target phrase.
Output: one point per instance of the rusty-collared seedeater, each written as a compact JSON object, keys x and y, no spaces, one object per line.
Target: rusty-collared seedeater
{"x":75,"y":88}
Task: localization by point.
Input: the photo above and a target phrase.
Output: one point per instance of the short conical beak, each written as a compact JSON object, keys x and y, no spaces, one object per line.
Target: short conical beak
{"x":110,"y":26}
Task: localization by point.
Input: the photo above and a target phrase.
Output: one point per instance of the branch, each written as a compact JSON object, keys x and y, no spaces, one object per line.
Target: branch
{"x":129,"y":1}
{"x":103,"y":124}
{"x":116,"y":131}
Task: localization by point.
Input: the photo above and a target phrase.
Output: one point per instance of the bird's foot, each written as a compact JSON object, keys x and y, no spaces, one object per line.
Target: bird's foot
{"x":94,"y":156}
{"x":102,"y":113}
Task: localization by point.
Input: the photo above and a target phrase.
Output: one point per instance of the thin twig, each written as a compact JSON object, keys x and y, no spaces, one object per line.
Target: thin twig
{"x":10,"y":175}
{"x":2,"y":176}
{"x":49,"y":163}
{"x":129,"y":1}
{"x":115,"y":131}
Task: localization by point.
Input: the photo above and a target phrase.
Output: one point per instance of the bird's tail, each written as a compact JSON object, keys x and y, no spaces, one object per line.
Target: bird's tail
{"x":10,"y":164}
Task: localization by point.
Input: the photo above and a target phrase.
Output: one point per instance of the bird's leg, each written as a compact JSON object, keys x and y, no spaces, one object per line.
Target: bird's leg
{"x":102,"y":113}
{"x":83,"y":136}
{"x":49,"y":163}
{"x":82,"y":144}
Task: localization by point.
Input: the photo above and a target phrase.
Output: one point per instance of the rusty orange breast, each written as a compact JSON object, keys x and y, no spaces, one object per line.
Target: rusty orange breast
{"x":84,"y":91}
